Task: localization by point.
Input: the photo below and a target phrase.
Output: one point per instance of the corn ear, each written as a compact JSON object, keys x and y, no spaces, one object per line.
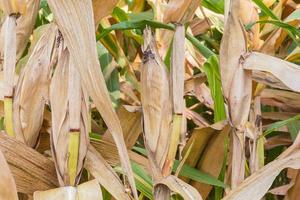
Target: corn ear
{"x":32,"y":89}
{"x":236,"y":84}
{"x":73,"y":16}
{"x":69,"y":121}
{"x":157,"y":110}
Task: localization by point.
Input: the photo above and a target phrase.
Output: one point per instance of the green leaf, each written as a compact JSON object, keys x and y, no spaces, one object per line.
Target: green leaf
{"x":190,"y":172}
{"x":211,"y":68}
{"x":279,"y":124}
{"x":141,"y":24}
{"x":294,"y":128}
{"x":216,"y":6}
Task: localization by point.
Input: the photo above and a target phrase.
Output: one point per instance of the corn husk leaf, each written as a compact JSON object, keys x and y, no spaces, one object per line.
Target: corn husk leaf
{"x":31,"y":92}
{"x":285,"y":71}
{"x":77,"y":17}
{"x":104,"y":174}
{"x":236,"y":84}
{"x":155,"y":98}
{"x":88,"y":190}
{"x":28,"y":166}
{"x":69,"y":116}
{"x":8,"y":188}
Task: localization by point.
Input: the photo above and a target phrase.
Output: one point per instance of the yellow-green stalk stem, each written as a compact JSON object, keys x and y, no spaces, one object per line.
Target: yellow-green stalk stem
{"x":8,"y":116}
{"x":73,"y":150}
{"x":174,"y":140}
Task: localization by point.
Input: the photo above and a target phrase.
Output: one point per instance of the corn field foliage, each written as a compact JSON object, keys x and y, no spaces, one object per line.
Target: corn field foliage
{"x":149,"y":99}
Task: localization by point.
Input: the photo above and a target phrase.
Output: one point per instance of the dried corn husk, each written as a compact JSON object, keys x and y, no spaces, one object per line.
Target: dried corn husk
{"x":102,"y":8}
{"x":236,"y":84}
{"x":8,"y":190}
{"x":157,"y":110}
{"x":13,"y":6}
{"x":32,"y":88}
{"x":156,"y":101}
{"x":89,"y":190}
{"x":69,"y":121}
{"x":72,"y":17}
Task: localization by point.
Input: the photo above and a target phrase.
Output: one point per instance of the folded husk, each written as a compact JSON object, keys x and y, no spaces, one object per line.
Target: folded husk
{"x":69,"y":121}
{"x":32,"y":89}
{"x":236,"y":84}
{"x":77,"y":17}
{"x":157,"y":111}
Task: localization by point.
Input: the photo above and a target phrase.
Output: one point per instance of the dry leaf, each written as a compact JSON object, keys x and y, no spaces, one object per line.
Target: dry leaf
{"x":8,"y":190}
{"x":285,"y":71}
{"x":104,"y":174}
{"x":28,"y":166}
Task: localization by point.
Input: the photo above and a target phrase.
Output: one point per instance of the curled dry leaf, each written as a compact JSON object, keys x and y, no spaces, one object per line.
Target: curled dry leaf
{"x":104,"y":174}
{"x":69,"y":108}
{"x":8,"y":190}
{"x":285,"y":71}
{"x":89,"y":190}
{"x":257,"y":185}
{"x":31,"y":93}
{"x":180,"y":187}
{"x":72,"y":17}
{"x":236,"y":84}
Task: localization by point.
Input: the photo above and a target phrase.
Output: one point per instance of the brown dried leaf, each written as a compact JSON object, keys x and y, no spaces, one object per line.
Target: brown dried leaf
{"x":102,"y":8}
{"x":180,"y":187}
{"x":285,"y":71}
{"x":8,"y":190}
{"x":28,"y":166}
{"x":180,"y":11}
{"x":104,"y":174}
{"x":25,"y":25}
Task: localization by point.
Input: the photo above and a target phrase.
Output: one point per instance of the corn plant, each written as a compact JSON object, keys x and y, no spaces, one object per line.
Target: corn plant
{"x":149,"y":99}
